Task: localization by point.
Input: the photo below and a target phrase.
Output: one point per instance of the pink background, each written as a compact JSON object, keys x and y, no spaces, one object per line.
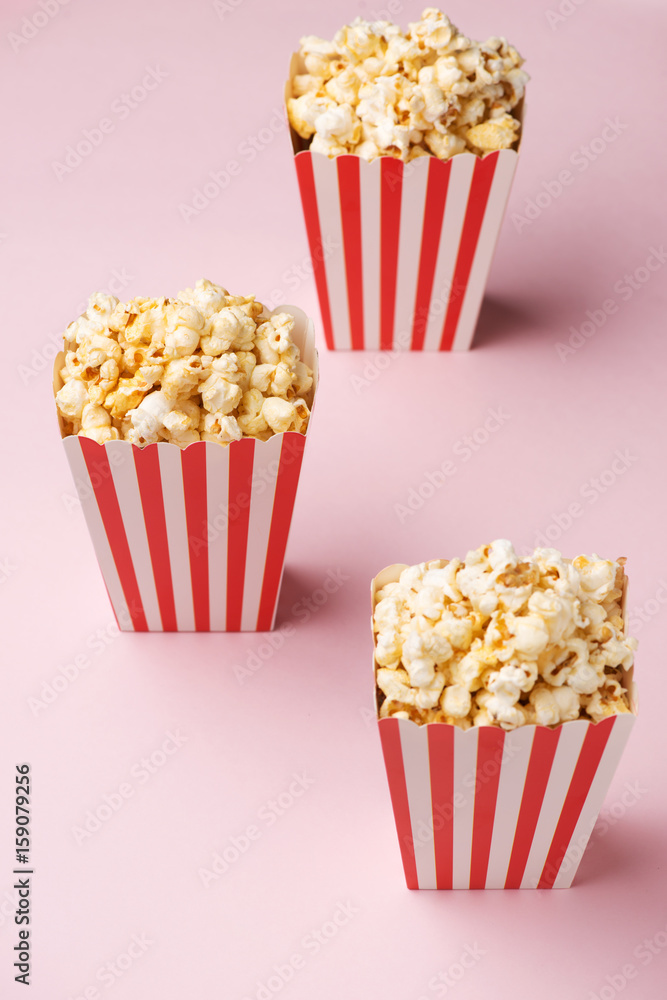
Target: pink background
{"x":306,"y":710}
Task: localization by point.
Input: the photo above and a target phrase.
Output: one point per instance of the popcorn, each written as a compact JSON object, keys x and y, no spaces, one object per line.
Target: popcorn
{"x":129,"y":394}
{"x":275,"y":380}
{"x":220,"y":427}
{"x":226,"y":327}
{"x":219,"y":395}
{"x":198,"y":367}
{"x":554,"y":705}
{"x":96,"y":424}
{"x":497,"y":133}
{"x":250,"y":418}
{"x":281,"y":415}
{"x":456,"y":701}
{"x":182,"y":376}
{"x":72,"y":398}
{"x":496,"y":640}
{"x":376,"y":91}
{"x":182,"y":423}
{"x":147,"y":420}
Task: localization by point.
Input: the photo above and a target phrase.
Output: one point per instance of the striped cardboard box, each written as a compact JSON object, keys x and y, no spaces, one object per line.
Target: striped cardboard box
{"x":488,"y":809}
{"x":401,"y":251}
{"x":192,"y":539}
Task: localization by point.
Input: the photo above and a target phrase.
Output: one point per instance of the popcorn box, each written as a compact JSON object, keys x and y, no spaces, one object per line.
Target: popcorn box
{"x":192,"y":539}
{"x":401,"y":251}
{"x":487,"y":809}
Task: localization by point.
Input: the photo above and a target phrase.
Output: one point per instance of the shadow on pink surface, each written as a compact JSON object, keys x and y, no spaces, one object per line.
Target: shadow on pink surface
{"x":308,"y":592}
{"x":633,"y":853}
{"x":504,"y":319}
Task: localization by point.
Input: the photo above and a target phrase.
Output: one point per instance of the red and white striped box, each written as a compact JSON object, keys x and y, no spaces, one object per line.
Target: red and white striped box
{"x":489,"y":809}
{"x":401,"y":251}
{"x":192,"y":539}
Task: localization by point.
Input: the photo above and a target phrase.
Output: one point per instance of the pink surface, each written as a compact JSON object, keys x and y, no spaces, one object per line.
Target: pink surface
{"x":549,"y":463}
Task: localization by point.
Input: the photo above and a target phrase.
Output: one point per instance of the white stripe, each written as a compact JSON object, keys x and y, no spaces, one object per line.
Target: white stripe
{"x":516,"y":754}
{"x":303,"y":334}
{"x":465,"y":765}
{"x":413,"y":201}
{"x":369,"y":195}
{"x":124,"y":474}
{"x":488,"y":237}
{"x":414,"y":745}
{"x":599,"y":788}
{"x":565,"y":760}
{"x":217,"y":517}
{"x":177,"y":534}
{"x":97,"y":532}
{"x":325,"y":174}
{"x":264,"y":478}
{"x":460,"y":178}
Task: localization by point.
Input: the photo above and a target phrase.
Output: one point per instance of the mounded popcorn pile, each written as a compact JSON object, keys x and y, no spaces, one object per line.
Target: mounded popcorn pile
{"x":205,"y":366}
{"x":375,"y":91}
{"x":500,"y":641}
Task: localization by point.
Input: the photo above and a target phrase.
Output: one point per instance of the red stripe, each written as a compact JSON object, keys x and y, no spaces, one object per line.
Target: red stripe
{"x":434,"y":210}
{"x":391,"y":185}
{"x":101,"y":480}
{"x":393,"y":761}
{"x":147,"y":464}
{"x":441,"y":761}
{"x":291,"y":456}
{"x":584,"y":773}
{"x":542,"y":752}
{"x":193,"y":463}
{"x":350,"y":214}
{"x":480,"y":186}
{"x":241,"y":454}
{"x":306,"y":178}
{"x":489,"y":764}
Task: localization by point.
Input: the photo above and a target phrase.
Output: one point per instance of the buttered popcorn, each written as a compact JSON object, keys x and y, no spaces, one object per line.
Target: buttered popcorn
{"x":376,"y":91}
{"x":205,"y":366}
{"x":496,"y":640}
